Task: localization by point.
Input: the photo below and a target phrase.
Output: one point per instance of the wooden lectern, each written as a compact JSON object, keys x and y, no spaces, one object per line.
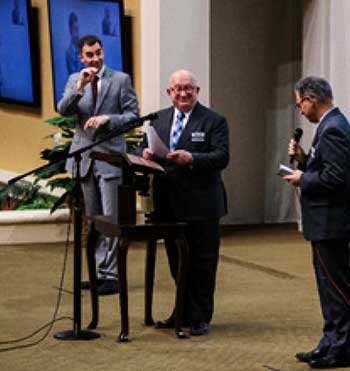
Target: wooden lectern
{"x":128,"y":228}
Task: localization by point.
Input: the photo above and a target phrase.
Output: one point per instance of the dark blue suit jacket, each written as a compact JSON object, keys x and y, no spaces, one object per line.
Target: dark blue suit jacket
{"x":194,"y":192}
{"x":325,"y":184}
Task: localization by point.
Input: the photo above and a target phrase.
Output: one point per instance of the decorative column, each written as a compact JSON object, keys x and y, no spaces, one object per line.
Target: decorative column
{"x":174,"y":35}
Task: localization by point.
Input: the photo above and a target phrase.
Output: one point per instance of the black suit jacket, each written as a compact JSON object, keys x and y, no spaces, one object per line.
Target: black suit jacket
{"x":325,"y":184}
{"x":193,"y":192}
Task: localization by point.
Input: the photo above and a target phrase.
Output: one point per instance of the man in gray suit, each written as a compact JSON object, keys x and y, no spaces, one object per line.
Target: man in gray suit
{"x":103,"y":99}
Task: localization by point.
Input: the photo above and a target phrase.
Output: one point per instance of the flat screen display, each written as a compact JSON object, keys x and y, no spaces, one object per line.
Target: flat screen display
{"x":19,"y":77}
{"x":70,"y":20}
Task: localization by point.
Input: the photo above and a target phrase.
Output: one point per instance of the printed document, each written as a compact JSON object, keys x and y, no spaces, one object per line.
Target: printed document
{"x":155,"y":143}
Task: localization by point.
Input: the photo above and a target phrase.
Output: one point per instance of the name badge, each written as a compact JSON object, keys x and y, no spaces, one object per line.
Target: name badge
{"x":198,"y":136}
{"x":312,"y":152}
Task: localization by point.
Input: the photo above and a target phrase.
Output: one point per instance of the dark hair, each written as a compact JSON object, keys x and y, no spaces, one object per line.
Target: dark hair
{"x":89,"y":40}
{"x":73,"y":18}
{"x":314,"y":87}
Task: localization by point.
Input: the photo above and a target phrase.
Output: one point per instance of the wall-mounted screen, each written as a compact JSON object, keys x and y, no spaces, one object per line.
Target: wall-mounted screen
{"x":69,"y":20}
{"x":19,"y":73}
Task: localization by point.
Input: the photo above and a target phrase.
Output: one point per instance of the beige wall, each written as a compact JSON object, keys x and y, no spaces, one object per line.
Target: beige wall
{"x":22,"y":130}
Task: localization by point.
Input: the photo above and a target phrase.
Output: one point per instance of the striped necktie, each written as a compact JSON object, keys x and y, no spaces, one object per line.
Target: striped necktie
{"x":177,"y":130}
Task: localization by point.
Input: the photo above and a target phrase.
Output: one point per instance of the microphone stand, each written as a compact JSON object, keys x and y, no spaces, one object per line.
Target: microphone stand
{"x":77,"y":333}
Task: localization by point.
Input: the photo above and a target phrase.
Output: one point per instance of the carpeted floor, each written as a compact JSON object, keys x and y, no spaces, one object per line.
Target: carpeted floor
{"x":266,"y":310}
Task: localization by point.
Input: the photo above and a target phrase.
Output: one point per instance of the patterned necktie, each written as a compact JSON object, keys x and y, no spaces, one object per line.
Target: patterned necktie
{"x":177,"y":130}
{"x":94,"y":91}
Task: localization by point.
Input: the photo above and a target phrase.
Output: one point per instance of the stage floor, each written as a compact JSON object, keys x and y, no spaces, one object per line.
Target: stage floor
{"x":266,"y":310}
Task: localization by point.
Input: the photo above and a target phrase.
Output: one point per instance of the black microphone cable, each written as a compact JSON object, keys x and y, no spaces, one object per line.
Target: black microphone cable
{"x":50,"y":324}
{"x":128,"y":126}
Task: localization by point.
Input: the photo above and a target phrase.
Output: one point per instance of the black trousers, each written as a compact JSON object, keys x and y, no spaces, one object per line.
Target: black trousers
{"x":331,"y":264}
{"x":203,"y":239}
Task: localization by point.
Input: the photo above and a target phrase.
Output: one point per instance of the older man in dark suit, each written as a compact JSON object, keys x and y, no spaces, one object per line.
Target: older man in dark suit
{"x":324,"y":180}
{"x":103,"y":99}
{"x":192,"y":191}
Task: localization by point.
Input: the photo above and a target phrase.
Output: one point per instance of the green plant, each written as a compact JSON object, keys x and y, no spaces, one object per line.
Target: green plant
{"x":133,"y":139}
{"x":13,"y":195}
{"x":24,"y":195}
{"x":40,"y":201}
{"x":59,"y":151}
{"x":55,"y":174}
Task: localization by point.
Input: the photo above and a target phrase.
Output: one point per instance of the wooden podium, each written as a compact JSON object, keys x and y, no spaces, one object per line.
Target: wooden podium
{"x":127,"y":229}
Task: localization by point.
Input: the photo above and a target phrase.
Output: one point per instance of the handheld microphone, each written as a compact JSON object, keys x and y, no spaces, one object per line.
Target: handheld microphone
{"x":298,"y":133}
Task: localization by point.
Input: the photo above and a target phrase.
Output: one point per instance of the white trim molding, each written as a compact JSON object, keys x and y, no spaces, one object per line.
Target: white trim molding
{"x":150,"y":60}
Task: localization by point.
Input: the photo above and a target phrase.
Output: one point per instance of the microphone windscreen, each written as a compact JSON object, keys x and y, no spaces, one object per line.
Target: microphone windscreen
{"x":298,"y":133}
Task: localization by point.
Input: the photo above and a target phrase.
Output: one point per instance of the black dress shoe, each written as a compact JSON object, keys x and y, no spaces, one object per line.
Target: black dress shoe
{"x":328,"y":362}
{"x":313,"y":354}
{"x":165,"y":323}
{"x":170,"y":323}
{"x":108,"y":287}
{"x":199,"y":328}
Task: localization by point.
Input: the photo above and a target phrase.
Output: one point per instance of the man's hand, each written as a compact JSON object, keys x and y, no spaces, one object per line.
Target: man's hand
{"x":148,"y":154}
{"x":96,"y":121}
{"x":180,"y":157}
{"x":294,"y":178}
{"x":294,"y":149}
{"x":86,"y":75}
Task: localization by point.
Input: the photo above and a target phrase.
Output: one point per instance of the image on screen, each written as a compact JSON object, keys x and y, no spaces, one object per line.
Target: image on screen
{"x":70,"y":20}
{"x":16,"y":60}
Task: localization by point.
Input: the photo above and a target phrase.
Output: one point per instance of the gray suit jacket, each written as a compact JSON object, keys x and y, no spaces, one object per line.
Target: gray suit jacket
{"x":116,"y":99}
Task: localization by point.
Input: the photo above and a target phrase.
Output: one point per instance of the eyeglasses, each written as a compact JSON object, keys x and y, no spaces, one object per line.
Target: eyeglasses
{"x":177,"y":89}
{"x":299,"y":104}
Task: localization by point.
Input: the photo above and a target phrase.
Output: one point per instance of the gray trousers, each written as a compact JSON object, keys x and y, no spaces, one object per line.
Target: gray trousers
{"x":101,"y":198}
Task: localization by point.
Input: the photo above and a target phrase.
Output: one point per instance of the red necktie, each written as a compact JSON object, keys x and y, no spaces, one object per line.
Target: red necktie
{"x":94,"y":90}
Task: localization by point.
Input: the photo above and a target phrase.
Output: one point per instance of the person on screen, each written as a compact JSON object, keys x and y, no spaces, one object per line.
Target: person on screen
{"x":103,"y":99}
{"x":323,"y":176}
{"x":191,"y":191}
{"x":106,"y":23}
{"x":16,"y":14}
{"x":73,"y":62}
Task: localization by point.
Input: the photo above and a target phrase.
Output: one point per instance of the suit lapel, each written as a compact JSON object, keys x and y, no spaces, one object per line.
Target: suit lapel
{"x":191,"y":124}
{"x":87,"y":99}
{"x":105,"y":83}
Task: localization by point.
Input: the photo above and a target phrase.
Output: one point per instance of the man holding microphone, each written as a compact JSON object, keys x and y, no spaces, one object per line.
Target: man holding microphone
{"x":323,"y":176}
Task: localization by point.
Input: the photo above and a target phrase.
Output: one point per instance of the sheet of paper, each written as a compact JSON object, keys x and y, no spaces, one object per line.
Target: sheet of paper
{"x":155,"y":143}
